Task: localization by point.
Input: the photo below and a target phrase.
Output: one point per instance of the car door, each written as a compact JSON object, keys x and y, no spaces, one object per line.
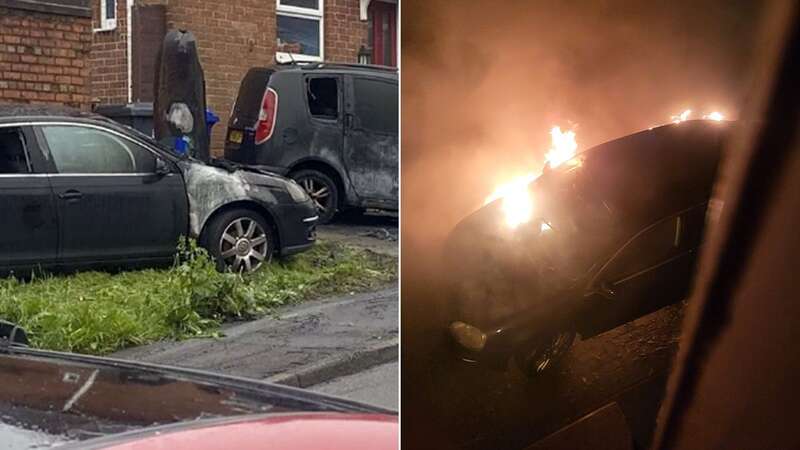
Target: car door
{"x":28,"y":229}
{"x":370,"y":141}
{"x":112,"y":203}
{"x":652,"y":270}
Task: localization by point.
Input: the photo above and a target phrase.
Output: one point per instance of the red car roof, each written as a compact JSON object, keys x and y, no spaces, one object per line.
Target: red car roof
{"x":306,"y":431}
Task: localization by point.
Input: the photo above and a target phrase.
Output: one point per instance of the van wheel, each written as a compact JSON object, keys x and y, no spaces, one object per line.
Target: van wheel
{"x":321,"y":189}
{"x":240,"y":240}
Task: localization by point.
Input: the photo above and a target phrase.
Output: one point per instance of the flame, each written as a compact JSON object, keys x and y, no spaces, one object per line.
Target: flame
{"x":517,"y":203}
{"x":714,"y":116}
{"x":562,"y":147}
{"x":681,"y":117}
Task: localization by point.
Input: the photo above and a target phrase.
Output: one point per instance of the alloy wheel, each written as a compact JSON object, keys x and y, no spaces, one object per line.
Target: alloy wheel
{"x":319,"y":192}
{"x":244,"y":245}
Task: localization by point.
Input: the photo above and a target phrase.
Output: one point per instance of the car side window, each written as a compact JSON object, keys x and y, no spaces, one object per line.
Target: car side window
{"x":375,"y":104}
{"x":323,"y":97}
{"x":651,"y":247}
{"x":13,"y":154}
{"x":78,"y":149}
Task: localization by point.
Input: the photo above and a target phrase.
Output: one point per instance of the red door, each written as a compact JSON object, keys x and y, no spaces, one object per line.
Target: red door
{"x":383,"y":17}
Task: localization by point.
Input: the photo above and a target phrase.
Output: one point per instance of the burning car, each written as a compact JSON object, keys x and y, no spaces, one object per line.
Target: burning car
{"x":51,"y":399}
{"x":599,"y":239}
{"x":80,"y":190}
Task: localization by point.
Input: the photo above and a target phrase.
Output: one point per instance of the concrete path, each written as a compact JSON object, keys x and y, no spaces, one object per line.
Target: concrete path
{"x":305,"y":345}
{"x":377,"y":386}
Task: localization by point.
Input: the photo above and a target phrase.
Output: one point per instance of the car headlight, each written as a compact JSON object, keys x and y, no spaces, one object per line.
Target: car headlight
{"x":468,"y":336}
{"x":298,"y":194}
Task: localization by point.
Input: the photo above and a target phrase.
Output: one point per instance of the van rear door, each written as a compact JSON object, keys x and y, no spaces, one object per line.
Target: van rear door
{"x":240,"y":137}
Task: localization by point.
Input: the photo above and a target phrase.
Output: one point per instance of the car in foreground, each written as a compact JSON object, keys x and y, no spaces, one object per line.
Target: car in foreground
{"x":614,"y":235}
{"x":79,"y":190}
{"x":331,"y":127}
{"x":51,"y":399}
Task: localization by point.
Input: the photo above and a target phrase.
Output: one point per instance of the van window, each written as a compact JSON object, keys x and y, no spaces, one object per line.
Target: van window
{"x":13,"y":159}
{"x":376,"y":105}
{"x":323,"y":97}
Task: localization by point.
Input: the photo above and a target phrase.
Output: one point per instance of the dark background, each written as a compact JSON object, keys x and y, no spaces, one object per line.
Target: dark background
{"x":482,"y":84}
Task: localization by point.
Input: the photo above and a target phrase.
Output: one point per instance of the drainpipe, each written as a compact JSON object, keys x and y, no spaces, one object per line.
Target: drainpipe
{"x":129,"y":23}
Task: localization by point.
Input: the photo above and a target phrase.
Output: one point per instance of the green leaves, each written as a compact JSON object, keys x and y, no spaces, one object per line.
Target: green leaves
{"x":99,"y":313}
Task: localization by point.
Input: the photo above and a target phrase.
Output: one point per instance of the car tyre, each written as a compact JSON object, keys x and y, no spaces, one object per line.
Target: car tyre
{"x":240,"y":240}
{"x":322,"y":190}
{"x":543,"y":354}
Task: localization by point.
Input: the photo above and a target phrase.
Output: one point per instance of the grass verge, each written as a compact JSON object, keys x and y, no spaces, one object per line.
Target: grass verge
{"x":99,"y":313}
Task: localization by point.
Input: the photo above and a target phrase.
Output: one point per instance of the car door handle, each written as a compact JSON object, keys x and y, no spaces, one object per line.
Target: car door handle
{"x":71,"y":195}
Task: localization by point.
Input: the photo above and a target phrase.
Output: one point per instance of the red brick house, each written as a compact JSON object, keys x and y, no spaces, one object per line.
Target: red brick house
{"x":44,"y":52}
{"x":232,"y":37}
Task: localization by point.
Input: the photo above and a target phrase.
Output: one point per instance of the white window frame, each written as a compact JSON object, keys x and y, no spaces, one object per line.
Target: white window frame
{"x":303,"y":13}
{"x":107,"y":24}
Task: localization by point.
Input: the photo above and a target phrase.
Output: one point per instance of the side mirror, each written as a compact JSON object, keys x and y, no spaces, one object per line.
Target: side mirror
{"x":162,"y":168}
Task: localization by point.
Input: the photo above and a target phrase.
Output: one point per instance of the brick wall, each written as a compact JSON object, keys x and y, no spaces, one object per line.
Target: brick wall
{"x":345,"y":33}
{"x":44,"y":58}
{"x":109,"y":58}
{"x":232,"y":37}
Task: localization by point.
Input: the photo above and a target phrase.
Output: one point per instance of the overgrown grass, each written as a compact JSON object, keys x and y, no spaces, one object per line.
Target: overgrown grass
{"x":99,"y":313}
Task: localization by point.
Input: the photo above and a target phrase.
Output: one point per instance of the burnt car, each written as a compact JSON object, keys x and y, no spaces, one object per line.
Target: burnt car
{"x":614,"y":235}
{"x":51,"y":399}
{"x":330,"y":127}
{"x":79,"y":190}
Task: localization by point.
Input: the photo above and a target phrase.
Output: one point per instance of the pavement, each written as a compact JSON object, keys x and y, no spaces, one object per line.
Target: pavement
{"x":313,"y":342}
{"x":340,"y":335}
{"x":377,"y":386}
{"x":465,"y":406}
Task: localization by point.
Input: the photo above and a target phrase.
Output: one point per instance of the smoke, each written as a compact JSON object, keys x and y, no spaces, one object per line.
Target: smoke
{"x":483,"y":82}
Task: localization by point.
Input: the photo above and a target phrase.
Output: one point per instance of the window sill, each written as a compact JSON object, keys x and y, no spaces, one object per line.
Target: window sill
{"x":286,"y":58}
{"x":104,"y":30}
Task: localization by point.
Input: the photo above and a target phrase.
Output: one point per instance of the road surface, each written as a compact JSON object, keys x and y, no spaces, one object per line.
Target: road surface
{"x":377,"y":386}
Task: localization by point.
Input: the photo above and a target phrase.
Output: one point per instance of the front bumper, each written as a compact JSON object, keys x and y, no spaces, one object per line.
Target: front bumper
{"x":297,"y":224}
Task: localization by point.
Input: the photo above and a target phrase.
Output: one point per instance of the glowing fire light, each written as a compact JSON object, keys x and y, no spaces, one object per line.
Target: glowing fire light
{"x":562,"y":147}
{"x":714,"y":116}
{"x":517,"y":203}
{"x":681,"y":117}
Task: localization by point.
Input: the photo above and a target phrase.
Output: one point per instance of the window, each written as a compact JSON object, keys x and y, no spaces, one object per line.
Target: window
{"x":376,"y":105}
{"x":323,"y":97}
{"x":651,"y":247}
{"x":108,"y":15}
{"x":79,"y":150}
{"x":13,"y":158}
{"x":300,"y":35}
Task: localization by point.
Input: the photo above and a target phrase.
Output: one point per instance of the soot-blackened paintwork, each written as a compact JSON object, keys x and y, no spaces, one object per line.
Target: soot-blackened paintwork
{"x":517,"y":285}
{"x":132,"y":220}
{"x":363,"y":163}
{"x":74,"y":398}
